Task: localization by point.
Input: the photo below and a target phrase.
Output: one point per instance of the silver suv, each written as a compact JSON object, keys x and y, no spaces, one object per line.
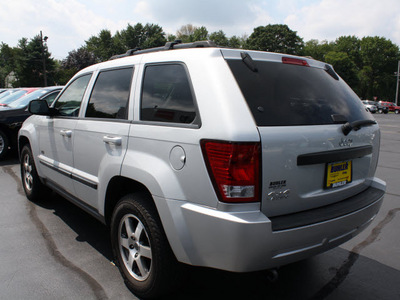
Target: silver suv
{"x":224,"y":158}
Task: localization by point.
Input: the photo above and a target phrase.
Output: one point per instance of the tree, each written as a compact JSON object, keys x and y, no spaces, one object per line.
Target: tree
{"x":79,"y":59}
{"x":186,"y":32}
{"x":219,"y":38}
{"x":7,"y":62}
{"x":152,"y":36}
{"x":345,"y":67}
{"x":379,"y":58}
{"x":29,"y":62}
{"x":350,"y":45}
{"x":105,"y":45}
{"x":317,"y":50}
{"x":200,"y":34}
{"x":102,"y":46}
{"x":235,"y":42}
{"x":275,"y":38}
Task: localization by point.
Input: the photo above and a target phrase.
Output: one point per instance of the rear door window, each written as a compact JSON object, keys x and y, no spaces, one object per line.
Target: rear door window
{"x":167,"y":95}
{"x":285,"y":95}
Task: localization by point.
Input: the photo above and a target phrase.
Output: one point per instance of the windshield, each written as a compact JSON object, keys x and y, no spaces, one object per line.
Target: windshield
{"x":12,"y":97}
{"x":6,"y":93}
{"x":285,"y":95}
{"x":24,"y":101}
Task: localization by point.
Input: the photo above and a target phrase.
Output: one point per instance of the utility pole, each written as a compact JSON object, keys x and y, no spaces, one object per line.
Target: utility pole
{"x":43,"y":58}
{"x":396,"y":101}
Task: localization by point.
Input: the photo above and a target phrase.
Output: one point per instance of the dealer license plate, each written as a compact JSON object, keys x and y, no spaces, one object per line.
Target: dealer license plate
{"x":338,"y":174}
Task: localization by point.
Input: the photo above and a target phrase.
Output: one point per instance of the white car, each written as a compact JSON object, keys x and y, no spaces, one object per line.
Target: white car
{"x":230,"y":159}
{"x":370,"y":106}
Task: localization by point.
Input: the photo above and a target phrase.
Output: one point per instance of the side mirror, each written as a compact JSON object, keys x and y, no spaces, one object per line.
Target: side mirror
{"x":39,"y":107}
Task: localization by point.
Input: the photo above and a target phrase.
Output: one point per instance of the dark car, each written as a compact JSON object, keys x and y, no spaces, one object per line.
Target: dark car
{"x":381,"y":108}
{"x":15,"y":113}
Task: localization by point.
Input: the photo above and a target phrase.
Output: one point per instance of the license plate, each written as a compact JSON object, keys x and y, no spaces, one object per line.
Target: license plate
{"x":338,"y":174}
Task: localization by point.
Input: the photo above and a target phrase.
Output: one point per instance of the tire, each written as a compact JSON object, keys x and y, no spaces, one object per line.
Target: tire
{"x":396,"y":112}
{"x":33,"y":187}
{"x":3,"y":144}
{"x":141,"y":249}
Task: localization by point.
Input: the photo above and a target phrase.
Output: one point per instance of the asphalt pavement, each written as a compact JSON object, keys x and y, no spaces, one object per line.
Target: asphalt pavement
{"x":53,"y":250}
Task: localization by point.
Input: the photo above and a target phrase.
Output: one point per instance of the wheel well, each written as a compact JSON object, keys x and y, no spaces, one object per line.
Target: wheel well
{"x":117,"y":188}
{"x":23,"y":140}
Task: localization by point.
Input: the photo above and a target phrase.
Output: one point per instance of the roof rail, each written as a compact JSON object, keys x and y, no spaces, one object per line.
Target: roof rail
{"x":177,"y":44}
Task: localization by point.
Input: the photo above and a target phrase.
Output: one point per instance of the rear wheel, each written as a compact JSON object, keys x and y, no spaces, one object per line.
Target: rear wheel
{"x":3,"y":144}
{"x":396,"y":111}
{"x":141,"y":249}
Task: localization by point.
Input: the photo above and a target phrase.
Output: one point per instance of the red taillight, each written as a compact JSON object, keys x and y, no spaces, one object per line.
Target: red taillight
{"x":295,"y":61}
{"x":234,"y":169}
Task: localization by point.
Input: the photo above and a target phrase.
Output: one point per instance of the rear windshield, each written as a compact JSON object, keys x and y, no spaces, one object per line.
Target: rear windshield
{"x":285,"y":95}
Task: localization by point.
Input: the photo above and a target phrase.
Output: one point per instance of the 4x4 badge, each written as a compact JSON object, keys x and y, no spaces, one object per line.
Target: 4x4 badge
{"x":346,"y":142}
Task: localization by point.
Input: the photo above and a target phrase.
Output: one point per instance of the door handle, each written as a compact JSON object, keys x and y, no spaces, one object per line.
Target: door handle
{"x":115,"y":140}
{"x":66,"y":133}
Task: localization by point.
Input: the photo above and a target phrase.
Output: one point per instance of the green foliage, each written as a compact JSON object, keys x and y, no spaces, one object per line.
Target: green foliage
{"x":317,"y":50}
{"x":105,"y":45}
{"x":219,"y":38}
{"x":367,"y":65}
{"x":275,"y":38}
{"x":29,"y":58}
{"x":186,"y":33}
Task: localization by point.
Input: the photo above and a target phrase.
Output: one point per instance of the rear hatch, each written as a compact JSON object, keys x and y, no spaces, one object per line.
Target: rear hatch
{"x":300,"y":107}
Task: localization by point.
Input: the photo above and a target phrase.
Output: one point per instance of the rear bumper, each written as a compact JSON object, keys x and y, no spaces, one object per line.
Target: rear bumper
{"x":249,"y":241}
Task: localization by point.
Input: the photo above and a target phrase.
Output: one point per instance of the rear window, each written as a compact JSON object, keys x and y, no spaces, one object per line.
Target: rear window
{"x":285,"y":95}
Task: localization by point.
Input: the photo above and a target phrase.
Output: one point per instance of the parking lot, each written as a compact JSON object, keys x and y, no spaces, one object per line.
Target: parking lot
{"x":53,"y":250}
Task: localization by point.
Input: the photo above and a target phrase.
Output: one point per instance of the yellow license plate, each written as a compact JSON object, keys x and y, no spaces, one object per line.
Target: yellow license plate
{"x":338,"y":174}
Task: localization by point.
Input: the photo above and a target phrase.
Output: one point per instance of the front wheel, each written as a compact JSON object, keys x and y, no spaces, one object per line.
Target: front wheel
{"x":33,"y":187}
{"x":141,"y":249}
{"x":396,"y":112}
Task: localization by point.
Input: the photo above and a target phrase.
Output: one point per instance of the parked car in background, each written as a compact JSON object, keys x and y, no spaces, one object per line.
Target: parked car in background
{"x":16,"y":95}
{"x":391,"y":106}
{"x":15,"y":113}
{"x":381,"y":109}
{"x":370,"y":106}
{"x":7,"y":92}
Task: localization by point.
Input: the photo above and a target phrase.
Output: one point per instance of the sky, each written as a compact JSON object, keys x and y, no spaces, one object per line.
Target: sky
{"x":69,"y":23}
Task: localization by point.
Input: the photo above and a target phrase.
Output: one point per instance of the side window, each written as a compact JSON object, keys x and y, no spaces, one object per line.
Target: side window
{"x":69,"y":102}
{"x":50,"y":98}
{"x":110,"y":94}
{"x":166,"y":95}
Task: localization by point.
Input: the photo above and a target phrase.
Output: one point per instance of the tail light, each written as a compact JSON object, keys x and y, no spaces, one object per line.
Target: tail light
{"x":295,"y":61}
{"x":234,"y":169}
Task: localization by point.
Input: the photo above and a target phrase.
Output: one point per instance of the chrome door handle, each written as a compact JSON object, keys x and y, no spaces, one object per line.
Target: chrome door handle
{"x":66,"y":133}
{"x":115,"y":140}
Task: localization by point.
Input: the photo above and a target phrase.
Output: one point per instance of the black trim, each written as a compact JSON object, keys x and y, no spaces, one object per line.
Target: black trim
{"x":333,"y":155}
{"x":86,"y":207}
{"x":77,"y":178}
{"x":371,"y":196}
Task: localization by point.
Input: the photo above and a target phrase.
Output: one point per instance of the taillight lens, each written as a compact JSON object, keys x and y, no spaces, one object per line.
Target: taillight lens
{"x":295,"y":61}
{"x":234,"y":169}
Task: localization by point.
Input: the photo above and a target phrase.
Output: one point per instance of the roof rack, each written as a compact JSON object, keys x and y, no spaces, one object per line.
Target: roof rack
{"x":177,"y":44}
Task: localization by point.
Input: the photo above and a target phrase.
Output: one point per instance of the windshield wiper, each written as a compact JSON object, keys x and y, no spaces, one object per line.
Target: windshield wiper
{"x":356,"y":125}
{"x":248,"y":61}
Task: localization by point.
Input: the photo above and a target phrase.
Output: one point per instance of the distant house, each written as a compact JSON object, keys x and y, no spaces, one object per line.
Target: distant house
{"x":10,"y":79}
